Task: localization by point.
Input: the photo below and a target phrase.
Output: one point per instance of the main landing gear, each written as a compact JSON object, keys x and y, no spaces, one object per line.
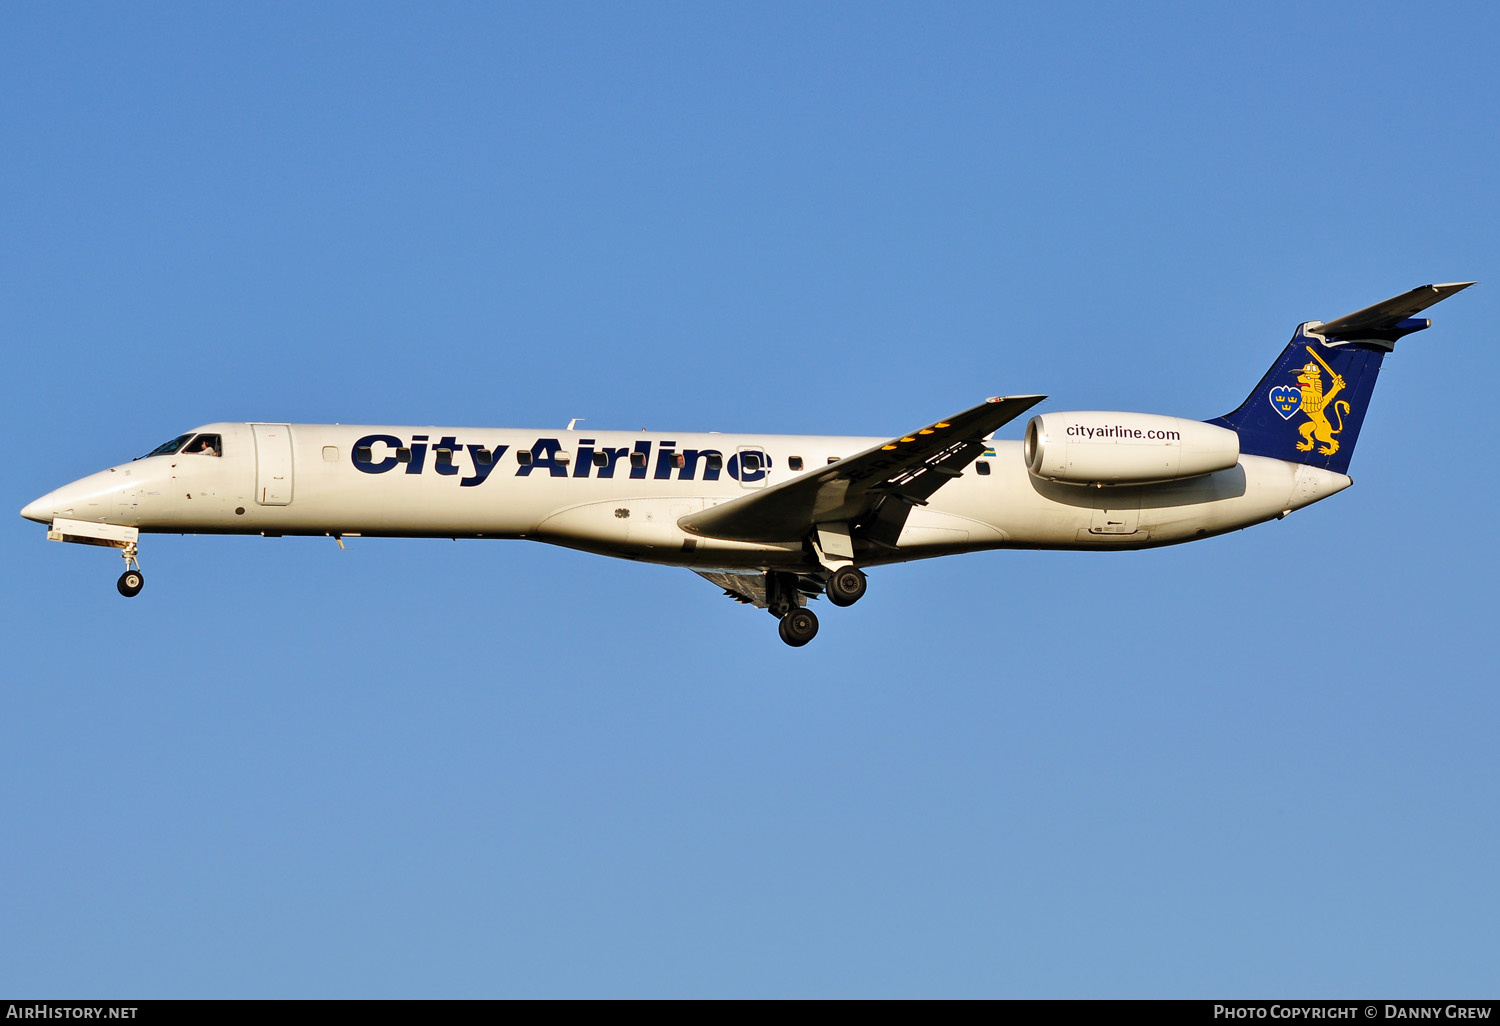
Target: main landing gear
{"x":798,"y":627}
{"x":786,"y":598}
{"x":132,"y":580}
{"x":846,"y":586}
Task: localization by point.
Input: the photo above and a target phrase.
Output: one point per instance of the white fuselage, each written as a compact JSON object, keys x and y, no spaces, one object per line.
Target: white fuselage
{"x":328,"y":479}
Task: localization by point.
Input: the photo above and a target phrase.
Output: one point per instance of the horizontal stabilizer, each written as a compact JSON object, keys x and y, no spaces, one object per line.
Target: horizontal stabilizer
{"x":1385,"y":320}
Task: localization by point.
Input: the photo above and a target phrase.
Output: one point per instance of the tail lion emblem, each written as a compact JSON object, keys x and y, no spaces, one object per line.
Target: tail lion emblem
{"x":1315,"y":403}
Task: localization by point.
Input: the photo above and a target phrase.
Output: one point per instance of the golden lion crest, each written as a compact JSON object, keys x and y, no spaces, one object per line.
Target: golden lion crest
{"x":1316,"y":402}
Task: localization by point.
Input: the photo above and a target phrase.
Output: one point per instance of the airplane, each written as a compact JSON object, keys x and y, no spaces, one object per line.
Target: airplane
{"x":774,"y":520}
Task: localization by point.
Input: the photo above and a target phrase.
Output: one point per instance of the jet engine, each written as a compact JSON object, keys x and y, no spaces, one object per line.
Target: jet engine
{"x":1095,"y":447}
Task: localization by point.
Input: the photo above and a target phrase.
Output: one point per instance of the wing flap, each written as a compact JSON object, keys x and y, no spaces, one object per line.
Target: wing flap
{"x":747,"y":588}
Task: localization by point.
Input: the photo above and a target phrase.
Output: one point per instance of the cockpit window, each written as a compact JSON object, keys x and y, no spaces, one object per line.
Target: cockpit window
{"x":167,"y":448}
{"x":204,"y":445}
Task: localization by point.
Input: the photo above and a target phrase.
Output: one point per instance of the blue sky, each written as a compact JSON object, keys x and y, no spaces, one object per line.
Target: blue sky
{"x":1263,"y":765}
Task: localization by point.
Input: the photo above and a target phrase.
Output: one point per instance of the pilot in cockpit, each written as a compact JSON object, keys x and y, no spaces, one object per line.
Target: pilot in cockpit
{"x":205,"y":445}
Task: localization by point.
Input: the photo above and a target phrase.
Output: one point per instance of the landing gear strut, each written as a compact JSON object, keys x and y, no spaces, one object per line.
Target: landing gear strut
{"x":132,"y":580}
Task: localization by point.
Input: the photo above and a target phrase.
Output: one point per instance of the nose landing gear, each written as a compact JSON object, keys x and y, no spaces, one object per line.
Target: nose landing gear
{"x":132,"y":580}
{"x":114,"y":536}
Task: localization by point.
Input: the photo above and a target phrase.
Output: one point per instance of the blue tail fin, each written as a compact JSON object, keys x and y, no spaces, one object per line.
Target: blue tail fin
{"x":1310,"y":405}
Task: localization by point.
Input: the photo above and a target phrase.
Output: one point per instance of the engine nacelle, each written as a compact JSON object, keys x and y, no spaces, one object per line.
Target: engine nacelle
{"x":1099,"y":447}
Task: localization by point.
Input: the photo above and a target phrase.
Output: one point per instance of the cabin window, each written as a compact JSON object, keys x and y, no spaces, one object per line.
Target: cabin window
{"x":204,"y":445}
{"x":638,"y":459}
{"x":561,"y":458}
{"x":362,"y":454}
{"x":794,"y":462}
{"x":749,"y":462}
{"x":403,"y":455}
{"x":833,"y":459}
{"x":715,"y":461}
{"x":330,"y":454}
{"x":445,"y":457}
{"x":523,"y":457}
{"x":679,"y":460}
{"x":601,"y":459}
{"x":483,"y":457}
{"x":983,"y":468}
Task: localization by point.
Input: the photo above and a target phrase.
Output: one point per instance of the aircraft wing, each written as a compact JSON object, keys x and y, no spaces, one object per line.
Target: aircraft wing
{"x":872,"y":491}
{"x":1386,"y":318}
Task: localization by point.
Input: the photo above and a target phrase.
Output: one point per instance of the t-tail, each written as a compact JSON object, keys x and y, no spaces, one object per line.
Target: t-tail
{"x":1310,"y":405}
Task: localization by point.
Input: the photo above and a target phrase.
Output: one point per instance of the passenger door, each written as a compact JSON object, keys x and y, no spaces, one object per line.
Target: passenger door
{"x":273,"y":464}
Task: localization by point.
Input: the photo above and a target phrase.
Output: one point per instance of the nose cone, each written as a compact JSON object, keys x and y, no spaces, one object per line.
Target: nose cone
{"x":41,"y":510}
{"x":88,"y":498}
